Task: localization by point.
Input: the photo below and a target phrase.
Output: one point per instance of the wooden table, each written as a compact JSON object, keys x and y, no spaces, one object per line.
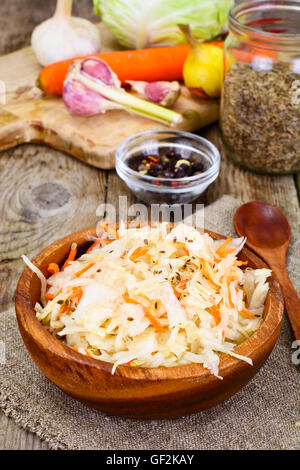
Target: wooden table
{"x":45,"y":194}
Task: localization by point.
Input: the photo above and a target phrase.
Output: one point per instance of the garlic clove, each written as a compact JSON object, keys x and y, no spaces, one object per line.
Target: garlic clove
{"x":82,"y":101}
{"x":163,"y":93}
{"x":98,"y":69}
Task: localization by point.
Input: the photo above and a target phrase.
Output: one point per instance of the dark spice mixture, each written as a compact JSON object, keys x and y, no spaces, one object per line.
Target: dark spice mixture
{"x":169,"y":165}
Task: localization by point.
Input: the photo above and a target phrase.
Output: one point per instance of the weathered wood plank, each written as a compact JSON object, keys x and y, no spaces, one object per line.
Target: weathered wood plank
{"x":17,"y":20}
{"x":13,"y":437}
{"x":44,"y":195}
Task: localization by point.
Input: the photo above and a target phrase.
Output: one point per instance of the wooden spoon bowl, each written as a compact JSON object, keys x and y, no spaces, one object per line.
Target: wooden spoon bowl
{"x":139,"y":392}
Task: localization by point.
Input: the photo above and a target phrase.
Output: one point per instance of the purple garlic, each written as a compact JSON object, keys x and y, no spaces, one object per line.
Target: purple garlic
{"x":91,"y":87}
{"x":96,"y":68}
{"x":162,"y":93}
{"x":81,"y":100}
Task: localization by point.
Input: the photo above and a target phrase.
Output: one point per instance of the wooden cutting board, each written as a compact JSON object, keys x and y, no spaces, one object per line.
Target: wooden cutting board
{"x":30,"y":116}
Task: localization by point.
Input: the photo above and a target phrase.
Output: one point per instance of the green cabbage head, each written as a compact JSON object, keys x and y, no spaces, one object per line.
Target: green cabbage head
{"x":144,"y":23}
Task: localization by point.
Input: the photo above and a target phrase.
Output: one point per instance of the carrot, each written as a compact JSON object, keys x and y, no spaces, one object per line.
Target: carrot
{"x":240,"y":263}
{"x":182,"y":285}
{"x":247,"y":313}
{"x":49,"y":296}
{"x":140,"y":251}
{"x":223,"y":246}
{"x":207,"y":274}
{"x":227,"y":252}
{"x":158,"y":63}
{"x":128,"y":300}
{"x":183,"y":248}
{"x":64,"y":308}
{"x":229,"y":280}
{"x":71,"y":257}
{"x":78,"y":292}
{"x":216,"y":314}
{"x":154,"y":322}
{"x":97,"y":243}
{"x":150,"y":65}
{"x":53,"y":268}
{"x":110,"y":230}
{"x":84,"y":270}
{"x":85,"y":350}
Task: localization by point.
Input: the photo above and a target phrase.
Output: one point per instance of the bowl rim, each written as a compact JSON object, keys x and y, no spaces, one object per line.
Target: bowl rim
{"x":211,"y":172}
{"x":45,"y":340}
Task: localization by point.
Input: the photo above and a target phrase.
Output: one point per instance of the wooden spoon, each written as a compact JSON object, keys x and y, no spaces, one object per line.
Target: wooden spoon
{"x":268,"y":234}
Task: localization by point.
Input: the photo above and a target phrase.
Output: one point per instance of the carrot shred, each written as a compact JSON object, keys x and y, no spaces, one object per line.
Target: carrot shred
{"x":216,"y":314}
{"x":182,"y":285}
{"x":64,"y":308}
{"x":229,"y":280}
{"x":78,"y":292}
{"x":206,"y":274}
{"x":247,"y":313}
{"x":74,"y":348}
{"x":49,"y":296}
{"x":84,"y":270}
{"x":128,"y":300}
{"x":228,"y":252}
{"x":138,"y":252}
{"x":97,"y":243}
{"x":240,"y":263}
{"x":223,"y":246}
{"x":53,"y":268}
{"x":154,"y":322}
{"x":183,"y":248}
{"x":71,"y":257}
{"x":110,"y":230}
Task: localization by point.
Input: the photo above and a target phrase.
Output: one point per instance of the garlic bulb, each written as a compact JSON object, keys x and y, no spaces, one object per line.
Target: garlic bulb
{"x":90,"y":77}
{"x":64,"y":37}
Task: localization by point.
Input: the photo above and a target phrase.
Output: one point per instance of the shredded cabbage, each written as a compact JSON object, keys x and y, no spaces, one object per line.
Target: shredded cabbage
{"x":150,"y":299}
{"x":138,"y":23}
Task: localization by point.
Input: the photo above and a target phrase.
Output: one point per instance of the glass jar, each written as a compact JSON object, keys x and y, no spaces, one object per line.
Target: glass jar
{"x":260,"y":106}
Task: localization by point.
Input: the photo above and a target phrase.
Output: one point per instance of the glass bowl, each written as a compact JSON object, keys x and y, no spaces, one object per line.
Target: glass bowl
{"x":158,"y":190}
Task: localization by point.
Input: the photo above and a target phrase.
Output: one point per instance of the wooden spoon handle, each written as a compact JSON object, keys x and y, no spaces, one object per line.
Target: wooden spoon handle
{"x":291,"y":299}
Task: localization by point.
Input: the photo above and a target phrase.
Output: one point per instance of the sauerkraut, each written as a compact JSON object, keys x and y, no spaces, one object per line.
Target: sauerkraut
{"x":154,"y":298}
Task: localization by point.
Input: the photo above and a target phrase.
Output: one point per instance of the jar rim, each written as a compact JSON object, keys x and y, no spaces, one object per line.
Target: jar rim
{"x":267,"y":38}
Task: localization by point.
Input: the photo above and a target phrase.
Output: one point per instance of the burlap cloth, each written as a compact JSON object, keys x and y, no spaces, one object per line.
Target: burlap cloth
{"x":261,"y":416}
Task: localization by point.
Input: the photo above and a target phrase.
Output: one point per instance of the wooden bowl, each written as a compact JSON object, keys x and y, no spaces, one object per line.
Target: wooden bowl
{"x":139,"y":392}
